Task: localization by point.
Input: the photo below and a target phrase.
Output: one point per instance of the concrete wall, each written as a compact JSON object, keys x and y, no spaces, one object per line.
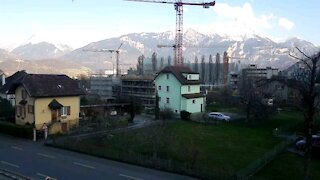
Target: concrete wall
{"x":188,"y":105}
{"x":43,"y":112}
{"x":29,"y":118}
{"x":193,"y":89}
{"x":174,"y":93}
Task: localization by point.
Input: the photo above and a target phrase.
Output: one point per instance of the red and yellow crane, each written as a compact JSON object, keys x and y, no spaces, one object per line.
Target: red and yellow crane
{"x":178,"y":5}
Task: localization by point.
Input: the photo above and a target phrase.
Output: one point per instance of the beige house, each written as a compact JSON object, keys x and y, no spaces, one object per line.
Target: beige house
{"x":47,"y":100}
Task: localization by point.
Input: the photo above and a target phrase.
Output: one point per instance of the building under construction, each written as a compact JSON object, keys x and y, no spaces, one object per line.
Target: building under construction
{"x":140,"y":87}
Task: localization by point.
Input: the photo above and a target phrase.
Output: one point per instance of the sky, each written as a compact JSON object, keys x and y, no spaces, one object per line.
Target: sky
{"x":79,"y":22}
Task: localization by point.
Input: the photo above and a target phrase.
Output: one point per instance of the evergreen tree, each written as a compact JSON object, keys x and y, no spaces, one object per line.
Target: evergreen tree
{"x":217,"y":75}
{"x":210,"y":70}
{"x":196,"y":64}
{"x":154,"y":62}
{"x":203,"y":68}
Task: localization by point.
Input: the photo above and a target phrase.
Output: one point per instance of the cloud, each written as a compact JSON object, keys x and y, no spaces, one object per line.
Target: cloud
{"x":285,"y":23}
{"x":238,"y":20}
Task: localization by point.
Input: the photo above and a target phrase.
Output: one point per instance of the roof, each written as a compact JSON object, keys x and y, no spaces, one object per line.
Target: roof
{"x":48,"y":85}
{"x":178,"y":72}
{"x":15,"y":78}
{"x":54,"y":105}
{"x":194,"y":95}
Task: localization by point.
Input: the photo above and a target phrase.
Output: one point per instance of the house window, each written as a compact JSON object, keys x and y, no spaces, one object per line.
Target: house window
{"x":22,"y":111}
{"x":189,"y":77}
{"x":168,"y":100}
{"x":168,"y":75}
{"x":168,"y":88}
{"x":24,"y":94}
{"x":159,"y":88}
{"x":189,"y":88}
{"x":65,"y":111}
{"x":194,"y":101}
{"x":30,"y":109}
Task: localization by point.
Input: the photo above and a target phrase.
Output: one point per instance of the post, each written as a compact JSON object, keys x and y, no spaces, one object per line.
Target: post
{"x":45,"y":134}
{"x":34,"y":134}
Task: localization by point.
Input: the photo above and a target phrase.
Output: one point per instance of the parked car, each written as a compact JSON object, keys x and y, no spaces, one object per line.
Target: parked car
{"x":301,"y":144}
{"x":113,"y":113}
{"x":219,"y":116}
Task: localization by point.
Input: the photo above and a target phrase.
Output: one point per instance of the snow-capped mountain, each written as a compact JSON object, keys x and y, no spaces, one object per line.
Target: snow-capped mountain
{"x":6,"y":55}
{"x":250,"y":49}
{"x":40,"y":51}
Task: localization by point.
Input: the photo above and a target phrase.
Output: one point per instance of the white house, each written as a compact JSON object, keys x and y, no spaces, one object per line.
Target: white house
{"x":178,"y":88}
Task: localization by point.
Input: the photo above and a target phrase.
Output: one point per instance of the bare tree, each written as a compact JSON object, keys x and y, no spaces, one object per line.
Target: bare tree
{"x":252,"y":97}
{"x":306,"y":80}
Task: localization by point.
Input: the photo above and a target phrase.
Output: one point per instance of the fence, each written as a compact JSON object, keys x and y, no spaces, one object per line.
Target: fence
{"x":255,"y":166}
{"x":143,"y":160}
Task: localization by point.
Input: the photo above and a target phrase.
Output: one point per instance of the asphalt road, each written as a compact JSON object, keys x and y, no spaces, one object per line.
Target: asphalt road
{"x":36,"y":161}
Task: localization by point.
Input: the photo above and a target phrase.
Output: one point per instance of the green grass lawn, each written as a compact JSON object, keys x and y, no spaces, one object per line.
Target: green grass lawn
{"x":288,"y":166}
{"x":226,"y":147}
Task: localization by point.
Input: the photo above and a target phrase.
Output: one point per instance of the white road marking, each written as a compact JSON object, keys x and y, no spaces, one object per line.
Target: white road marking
{"x":45,"y":155}
{"x":83,"y":165}
{"x":129,"y":177}
{"x":17,"y":148}
{"x":45,"y":176}
{"x":9,"y":164}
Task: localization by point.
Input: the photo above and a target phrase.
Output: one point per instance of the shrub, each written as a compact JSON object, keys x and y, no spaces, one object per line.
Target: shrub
{"x":166,"y":114}
{"x":6,"y":109}
{"x":16,"y":130}
{"x":185,"y":115}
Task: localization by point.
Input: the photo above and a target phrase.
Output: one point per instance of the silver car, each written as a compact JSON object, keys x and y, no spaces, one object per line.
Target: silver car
{"x":219,"y":116}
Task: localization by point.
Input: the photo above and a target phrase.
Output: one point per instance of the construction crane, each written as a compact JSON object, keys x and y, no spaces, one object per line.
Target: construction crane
{"x":117,"y":51}
{"x":178,"y":5}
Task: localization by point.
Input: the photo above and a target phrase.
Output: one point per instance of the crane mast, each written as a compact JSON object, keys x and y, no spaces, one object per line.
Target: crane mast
{"x":117,"y":51}
{"x":178,"y":5}
{"x":179,"y":32}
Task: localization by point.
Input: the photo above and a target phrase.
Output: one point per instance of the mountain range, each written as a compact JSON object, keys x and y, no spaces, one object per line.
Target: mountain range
{"x":248,"y":49}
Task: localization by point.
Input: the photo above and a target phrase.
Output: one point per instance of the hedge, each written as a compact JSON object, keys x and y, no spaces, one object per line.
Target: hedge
{"x":16,"y":130}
